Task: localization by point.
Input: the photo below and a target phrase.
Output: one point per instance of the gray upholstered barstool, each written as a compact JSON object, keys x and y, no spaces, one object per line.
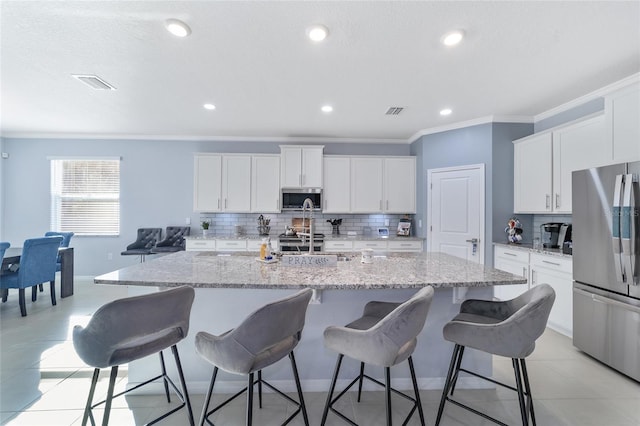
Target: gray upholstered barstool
{"x":385,"y":335}
{"x":508,"y":328}
{"x":132,"y":328}
{"x":264,"y":337}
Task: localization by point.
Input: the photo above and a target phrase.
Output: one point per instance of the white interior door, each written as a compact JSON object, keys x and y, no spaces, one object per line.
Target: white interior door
{"x":456,"y":211}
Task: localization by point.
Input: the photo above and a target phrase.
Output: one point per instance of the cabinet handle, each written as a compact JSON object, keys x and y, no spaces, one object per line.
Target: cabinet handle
{"x":300,"y":179}
{"x":557,"y":201}
{"x":380,"y":205}
{"x":548,"y":198}
{"x":524,"y":272}
{"x":511,"y":254}
{"x":226,"y":203}
{"x":551,"y":263}
{"x":387,"y":204}
{"x":218,"y":202}
{"x":533,"y":276}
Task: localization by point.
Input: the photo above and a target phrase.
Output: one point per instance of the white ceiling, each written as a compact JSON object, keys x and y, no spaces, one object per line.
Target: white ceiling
{"x":267,"y":80}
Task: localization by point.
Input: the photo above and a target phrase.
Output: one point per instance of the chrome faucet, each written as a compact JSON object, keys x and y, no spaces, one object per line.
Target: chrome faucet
{"x":307,"y":205}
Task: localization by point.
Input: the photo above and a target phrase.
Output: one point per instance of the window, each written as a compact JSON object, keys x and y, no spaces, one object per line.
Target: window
{"x":85,"y":196}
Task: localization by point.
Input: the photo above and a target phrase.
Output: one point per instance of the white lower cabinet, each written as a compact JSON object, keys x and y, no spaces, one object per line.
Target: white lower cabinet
{"x":200,"y":245}
{"x":558,"y":273}
{"x":515,"y":262}
{"x":539,"y":268}
{"x":338,"y":246}
{"x":413,"y":246}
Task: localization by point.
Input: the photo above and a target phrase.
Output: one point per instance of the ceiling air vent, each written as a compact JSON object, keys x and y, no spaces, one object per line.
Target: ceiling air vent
{"x":94,"y":82}
{"x":394,"y":111}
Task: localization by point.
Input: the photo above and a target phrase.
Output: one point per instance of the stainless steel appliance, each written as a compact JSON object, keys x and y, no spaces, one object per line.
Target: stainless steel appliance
{"x":293,"y":198}
{"x":295,"y":243}
{"x":606,"y":290}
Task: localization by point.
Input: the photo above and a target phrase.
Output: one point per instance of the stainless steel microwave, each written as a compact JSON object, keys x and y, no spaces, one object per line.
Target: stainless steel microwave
{"x":293,"y":198}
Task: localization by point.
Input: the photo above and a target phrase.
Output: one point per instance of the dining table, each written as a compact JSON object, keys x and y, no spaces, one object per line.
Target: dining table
{"x":11,"y":261}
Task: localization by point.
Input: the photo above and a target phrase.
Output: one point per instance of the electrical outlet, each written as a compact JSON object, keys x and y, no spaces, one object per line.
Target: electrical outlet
{"x":109,"y":256}
{"x":188,"y":221}
{"x":386,"y":222}
{"x":419,"y":223}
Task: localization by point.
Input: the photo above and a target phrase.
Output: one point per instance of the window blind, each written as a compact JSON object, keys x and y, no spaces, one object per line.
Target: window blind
{"x":85,"y":196}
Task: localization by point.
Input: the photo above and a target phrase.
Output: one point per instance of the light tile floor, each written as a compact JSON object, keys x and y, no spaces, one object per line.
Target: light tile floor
{"x":42,"y":381}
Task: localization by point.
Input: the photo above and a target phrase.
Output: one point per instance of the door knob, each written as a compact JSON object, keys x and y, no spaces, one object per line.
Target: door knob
{"x":474,"y":241}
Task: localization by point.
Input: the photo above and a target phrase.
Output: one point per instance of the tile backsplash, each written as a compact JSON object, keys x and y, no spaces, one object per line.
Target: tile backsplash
{"x":224,"y":224}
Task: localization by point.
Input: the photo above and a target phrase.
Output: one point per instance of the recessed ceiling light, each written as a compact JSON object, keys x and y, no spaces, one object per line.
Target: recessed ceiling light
{"x":209,"y":106}
{"x":445,"y":111}
{"x":452,"y":38}
{"x":317,"y":32}
{"x":177,"y":28}
{"x":327,"y":108}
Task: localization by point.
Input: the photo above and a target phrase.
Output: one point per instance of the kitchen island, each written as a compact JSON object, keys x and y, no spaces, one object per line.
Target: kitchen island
{"x":229,"y":287}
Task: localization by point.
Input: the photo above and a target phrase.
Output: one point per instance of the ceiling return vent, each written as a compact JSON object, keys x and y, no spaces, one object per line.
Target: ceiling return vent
{"x":394,"y":111}
{"x":93,"y":81}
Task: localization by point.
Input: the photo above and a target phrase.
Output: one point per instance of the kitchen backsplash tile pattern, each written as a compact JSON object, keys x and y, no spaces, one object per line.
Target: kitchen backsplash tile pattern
{"x":224,"y":224}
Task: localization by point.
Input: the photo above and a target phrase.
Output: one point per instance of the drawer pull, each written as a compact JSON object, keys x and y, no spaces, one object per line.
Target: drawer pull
{"x":511,"y":254}
{"x":551,"y":263}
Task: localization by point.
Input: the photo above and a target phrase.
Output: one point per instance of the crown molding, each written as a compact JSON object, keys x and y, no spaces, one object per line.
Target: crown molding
{"x":599,"y":93}
{"x":473,"y":122}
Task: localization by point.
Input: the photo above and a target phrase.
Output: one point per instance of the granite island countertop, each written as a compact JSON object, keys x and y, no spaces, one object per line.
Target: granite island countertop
{"x":242,"y":270}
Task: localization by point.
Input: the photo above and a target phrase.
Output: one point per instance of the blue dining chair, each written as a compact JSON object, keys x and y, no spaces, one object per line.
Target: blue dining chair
{"x":66,"y":240}
{"x":3,"y":247}
{"x":37,"y":265}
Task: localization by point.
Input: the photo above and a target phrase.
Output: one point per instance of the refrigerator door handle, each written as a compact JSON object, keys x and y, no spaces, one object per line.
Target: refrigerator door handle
{"x":615,"y":228}
{"x":628,"y":214}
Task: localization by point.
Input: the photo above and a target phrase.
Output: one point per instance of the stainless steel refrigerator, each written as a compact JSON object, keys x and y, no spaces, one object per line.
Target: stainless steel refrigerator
{"x":606,"y":290}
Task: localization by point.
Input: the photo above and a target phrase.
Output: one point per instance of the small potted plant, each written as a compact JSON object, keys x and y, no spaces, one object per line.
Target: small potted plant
{"x":205,"y":227}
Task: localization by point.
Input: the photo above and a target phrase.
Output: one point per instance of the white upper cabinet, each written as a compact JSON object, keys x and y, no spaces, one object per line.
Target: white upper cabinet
{"x":622,"y":111}
{"x":236,"y":183}
{"x":222,"y":183}
{"x":400,"y":185}
{"x":301,"y":166}
{"x":366,"y":185}
{"x":265,"y":186}
{"x":532,"y":168}
{"x":543,"y":164}
{"x":337,"y":185}
{"x":576,"y":147}
{"x":207,"y":193}
{"x":383,"y":185}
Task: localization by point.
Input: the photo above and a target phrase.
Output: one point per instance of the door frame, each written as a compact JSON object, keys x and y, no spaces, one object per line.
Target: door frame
{"x":430,"y":173}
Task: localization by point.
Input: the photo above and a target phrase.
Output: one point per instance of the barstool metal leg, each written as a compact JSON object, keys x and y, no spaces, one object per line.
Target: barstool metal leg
{"x":303,"y":407}
{"x":250,"y":400}
{"x":416,"y":390}
{"x":387,"y":392}
{"x":448,"y":382}
{"x":92,"y":389}
{"x":164,"y":376}
{"x":527,"y":389}
{"x":260,"y":389}
{"x":183,"y":383}
{"x":457,"y":371}
{"x":361,"y":379}
{"x":107,"y":404}
{"x":523,"y":409}
{"x":207,"y":399}
{"x":331,"y":389}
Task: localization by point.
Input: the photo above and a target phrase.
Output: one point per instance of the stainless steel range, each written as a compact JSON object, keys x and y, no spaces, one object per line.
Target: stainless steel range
{"x":295,"y":243}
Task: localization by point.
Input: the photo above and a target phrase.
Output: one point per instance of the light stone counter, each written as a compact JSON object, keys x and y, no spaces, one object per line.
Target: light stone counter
{"x":395,"y":270}
{"x":529,"y":248}
{"x":228,"y":288}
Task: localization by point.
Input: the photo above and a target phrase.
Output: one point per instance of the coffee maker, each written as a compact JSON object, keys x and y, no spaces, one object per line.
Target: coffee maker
{"x":555,"y":234}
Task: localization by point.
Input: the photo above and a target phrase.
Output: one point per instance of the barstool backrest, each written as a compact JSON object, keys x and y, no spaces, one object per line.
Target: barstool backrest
{"x":273,"y":322}
{"x":128,"y":329}
{"x":402,"y":325}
